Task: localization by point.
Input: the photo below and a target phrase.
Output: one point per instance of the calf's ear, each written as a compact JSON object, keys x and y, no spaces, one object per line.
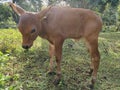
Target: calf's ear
{"x":42,"y":14}
{"x":20,"y":11}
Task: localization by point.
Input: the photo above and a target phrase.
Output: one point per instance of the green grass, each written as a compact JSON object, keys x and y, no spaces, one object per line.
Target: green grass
{"x":20,"y":70}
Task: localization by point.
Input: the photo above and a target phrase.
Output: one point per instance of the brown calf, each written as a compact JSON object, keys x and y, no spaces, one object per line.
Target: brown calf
{"x":57,"y":24}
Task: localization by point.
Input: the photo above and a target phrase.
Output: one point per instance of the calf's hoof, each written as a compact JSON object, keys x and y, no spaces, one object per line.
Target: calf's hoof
{"x":51,"y":73}
{"x":93,"y":81}
{"x":56,"y":81}
{"x":91,"y":86}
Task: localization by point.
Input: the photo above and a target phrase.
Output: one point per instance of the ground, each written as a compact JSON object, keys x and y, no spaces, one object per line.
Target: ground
{"x":21,"y":70}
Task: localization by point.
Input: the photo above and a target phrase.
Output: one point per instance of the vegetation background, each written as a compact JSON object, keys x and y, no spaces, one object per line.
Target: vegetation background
{"x":20,"y":70}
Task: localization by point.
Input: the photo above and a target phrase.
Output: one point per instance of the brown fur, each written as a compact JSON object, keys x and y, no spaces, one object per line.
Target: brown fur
{"x":57,"y":24}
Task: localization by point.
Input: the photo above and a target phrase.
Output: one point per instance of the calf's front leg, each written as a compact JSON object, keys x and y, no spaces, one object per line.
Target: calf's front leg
{"x":58,"y":56}
{"x":51,"y":53}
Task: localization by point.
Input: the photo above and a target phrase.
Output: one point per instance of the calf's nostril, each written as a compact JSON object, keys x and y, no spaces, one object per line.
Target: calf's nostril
{"x":25,"y":47}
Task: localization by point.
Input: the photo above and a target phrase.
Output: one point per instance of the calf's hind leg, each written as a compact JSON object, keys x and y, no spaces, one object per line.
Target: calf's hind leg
{"x":92,"y":44}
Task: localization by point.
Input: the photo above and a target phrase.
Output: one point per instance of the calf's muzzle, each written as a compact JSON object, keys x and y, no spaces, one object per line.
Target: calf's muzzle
{"x":25,"y":46}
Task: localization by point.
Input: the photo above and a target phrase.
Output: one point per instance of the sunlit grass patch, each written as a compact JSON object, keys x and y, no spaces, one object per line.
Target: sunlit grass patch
{"x":9,"y":40}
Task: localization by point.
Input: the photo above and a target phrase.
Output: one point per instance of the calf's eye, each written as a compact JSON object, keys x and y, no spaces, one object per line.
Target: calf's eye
{"x":33,"y":30}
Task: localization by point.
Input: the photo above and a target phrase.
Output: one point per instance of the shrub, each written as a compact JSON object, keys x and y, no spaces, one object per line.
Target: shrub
{"x":9,"y":41}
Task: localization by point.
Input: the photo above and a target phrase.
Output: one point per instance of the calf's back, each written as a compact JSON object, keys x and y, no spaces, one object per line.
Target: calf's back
{"x":72,"y":22}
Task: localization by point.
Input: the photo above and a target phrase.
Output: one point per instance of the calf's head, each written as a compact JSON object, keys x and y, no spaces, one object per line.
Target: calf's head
{"x":29,"y":24}
{"x":29,"y":29}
